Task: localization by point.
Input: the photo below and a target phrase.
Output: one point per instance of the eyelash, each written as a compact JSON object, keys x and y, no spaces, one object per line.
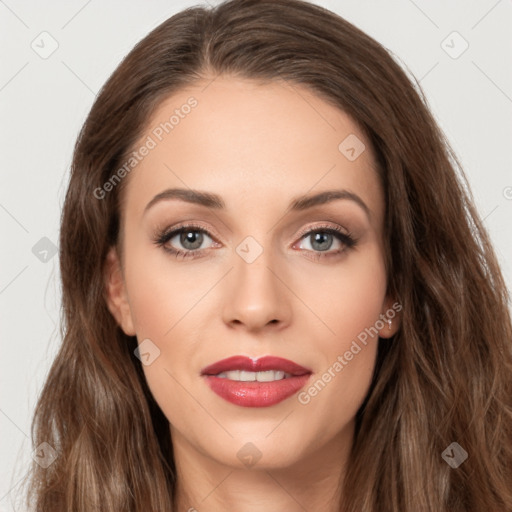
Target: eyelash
{"x":165,"y":235}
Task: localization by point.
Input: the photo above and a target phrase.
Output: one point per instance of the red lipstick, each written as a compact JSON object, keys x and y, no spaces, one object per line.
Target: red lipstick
{"x":256,"y":393}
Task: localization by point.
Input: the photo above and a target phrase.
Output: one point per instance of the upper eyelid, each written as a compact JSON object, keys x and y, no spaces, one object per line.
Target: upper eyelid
{"x":191,"y":227}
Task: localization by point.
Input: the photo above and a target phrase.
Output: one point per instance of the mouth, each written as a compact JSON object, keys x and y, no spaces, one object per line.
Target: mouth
{"x":246,"y":382}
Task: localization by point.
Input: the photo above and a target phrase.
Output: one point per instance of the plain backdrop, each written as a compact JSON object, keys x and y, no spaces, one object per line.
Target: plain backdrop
{"x":44,"y":100}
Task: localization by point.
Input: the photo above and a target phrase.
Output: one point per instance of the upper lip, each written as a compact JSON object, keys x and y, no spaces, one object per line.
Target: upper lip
{"x":255,"y":365}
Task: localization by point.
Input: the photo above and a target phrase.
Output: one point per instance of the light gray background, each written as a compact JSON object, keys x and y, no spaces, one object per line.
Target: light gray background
{"x":44,"y":103}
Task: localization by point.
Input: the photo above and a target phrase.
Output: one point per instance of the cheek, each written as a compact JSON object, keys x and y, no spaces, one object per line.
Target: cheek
{"x":350,"y":304}
{"x":165,"y":301}
{"x":345,"y":299}
{"x":161,"y":291}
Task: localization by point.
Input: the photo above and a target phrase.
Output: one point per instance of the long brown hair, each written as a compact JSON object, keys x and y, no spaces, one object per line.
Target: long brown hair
{"x":445,"y":377}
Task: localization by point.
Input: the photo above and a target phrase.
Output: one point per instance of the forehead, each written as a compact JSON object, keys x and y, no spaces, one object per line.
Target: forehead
{"x":253,"y":144}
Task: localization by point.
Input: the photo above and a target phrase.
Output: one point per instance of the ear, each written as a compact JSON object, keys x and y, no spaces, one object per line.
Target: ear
{"x":115,"y":291}
{"x":391,"y":317}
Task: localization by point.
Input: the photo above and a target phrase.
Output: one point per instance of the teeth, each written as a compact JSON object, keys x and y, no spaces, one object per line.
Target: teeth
{"x":244,"y":376}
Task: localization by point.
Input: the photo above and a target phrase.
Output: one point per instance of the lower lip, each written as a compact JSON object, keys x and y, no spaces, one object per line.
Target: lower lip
{"x":256,"y":394}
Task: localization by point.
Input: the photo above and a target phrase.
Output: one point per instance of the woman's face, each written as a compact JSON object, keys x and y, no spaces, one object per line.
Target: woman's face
{"x":261,"y":277}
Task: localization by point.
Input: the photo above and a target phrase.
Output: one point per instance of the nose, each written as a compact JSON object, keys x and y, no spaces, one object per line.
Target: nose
{"x":256,"y":294}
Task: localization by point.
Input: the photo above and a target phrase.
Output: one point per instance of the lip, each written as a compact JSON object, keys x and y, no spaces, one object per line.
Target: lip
{"x":254,"y":393}
{"x":255,"y":365}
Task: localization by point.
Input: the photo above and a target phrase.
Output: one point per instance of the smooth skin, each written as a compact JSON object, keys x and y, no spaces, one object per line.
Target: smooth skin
{"x":258,"y":146}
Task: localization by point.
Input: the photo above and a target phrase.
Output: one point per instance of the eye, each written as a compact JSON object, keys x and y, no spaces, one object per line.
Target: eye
{"x":320,"y":239}
{"x":190,"y":237}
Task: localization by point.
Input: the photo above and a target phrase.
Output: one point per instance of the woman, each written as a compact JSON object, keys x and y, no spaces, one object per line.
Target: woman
{"x":278,"y":294}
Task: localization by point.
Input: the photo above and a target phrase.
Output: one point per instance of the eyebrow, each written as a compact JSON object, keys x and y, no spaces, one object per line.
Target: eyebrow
{"x":216,"y":202}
